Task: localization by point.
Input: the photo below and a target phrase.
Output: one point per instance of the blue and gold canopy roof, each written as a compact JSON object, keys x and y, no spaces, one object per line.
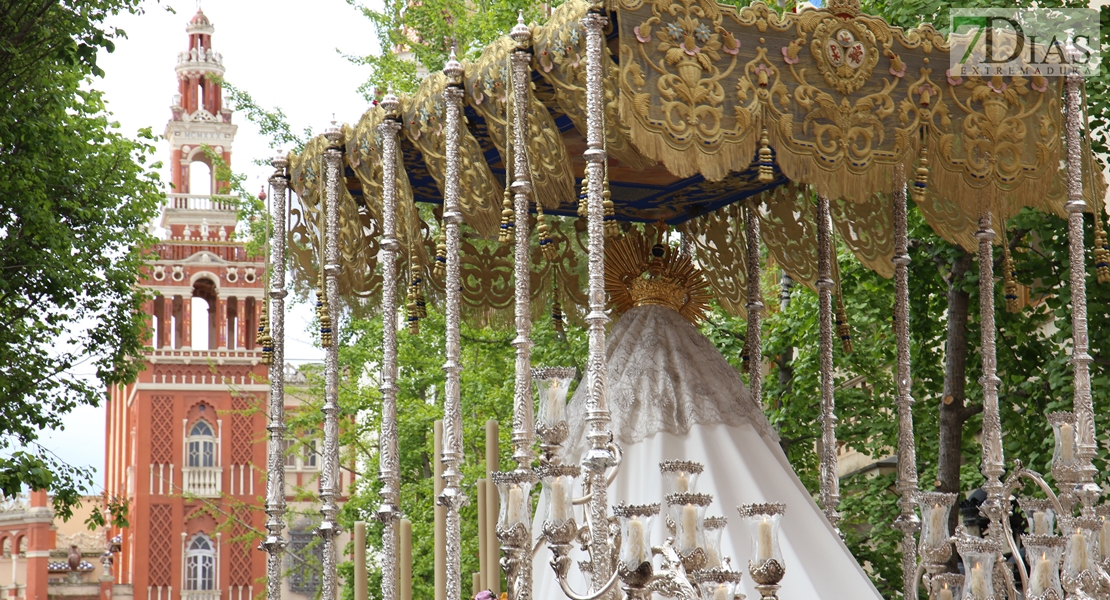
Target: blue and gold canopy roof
{"x":693,"y":91}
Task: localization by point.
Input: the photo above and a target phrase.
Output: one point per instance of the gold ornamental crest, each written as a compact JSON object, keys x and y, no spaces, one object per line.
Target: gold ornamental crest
{"x":639,"y":273}
{"x":846,"y":53}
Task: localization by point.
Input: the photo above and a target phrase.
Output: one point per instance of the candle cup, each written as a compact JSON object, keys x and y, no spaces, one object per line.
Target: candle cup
{"x":1042,"y":555}
{"x":1081,"y":549}
{"x":716,"y":583}
{"x":935,"y":545}
{"x":552,"y":385}
{"x":515,"y":517}
{"x":558,"y":491}
{"x":1040,"y":515}
{"x":1103,"y":513}
{"x":680,"y":476}
{"x":1065,"y":465}
{"x":687,"y":511}
{"x":714,"y":529}
{"x":635,"y":567}
{"x":945,"y":586}
{"x":979,"y":556}
{"x":766,"y":564}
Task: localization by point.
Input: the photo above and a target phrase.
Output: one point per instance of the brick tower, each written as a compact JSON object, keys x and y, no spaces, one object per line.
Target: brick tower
{"x":183,"y":444}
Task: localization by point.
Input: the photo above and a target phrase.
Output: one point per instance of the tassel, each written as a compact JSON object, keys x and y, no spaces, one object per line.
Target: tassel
{"x":584,"y":199}
{"x":547,"y":245}
{"x":612,"y":227}
{"x":415,"y":307}
{"x":1009,"y":281}
{"x":505,"y":235}
{"x":921,"y":180}
{"x":842,"y":328}
{"x":439,"y":268}
{"x":557,"y":320}
{"x":766,"y":160}
{"x":264,"y":340}
{"x":1102,"y":252}
{"x":322,"y":314}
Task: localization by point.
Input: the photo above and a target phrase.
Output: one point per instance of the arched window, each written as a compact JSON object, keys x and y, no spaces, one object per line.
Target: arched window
{"x":200,"y":564}
{"x":200,"y":178}
{"x":202,"y":445}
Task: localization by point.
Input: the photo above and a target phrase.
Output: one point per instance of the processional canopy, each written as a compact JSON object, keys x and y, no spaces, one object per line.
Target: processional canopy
{"x":706,"y":105}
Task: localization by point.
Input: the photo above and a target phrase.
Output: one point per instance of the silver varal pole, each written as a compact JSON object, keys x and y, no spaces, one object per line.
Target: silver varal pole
{"x":599,"y":457}
{"x":329,"y":528}
{"x":453,"y":497}
{"x":907,"y":521}
{"x":755,"y":300}
{"x":1087,"y":490}
{"x":995,"y":507}
{"x":830,"y":477}
{"x":274,"y":544}
{"x":389,"y":511}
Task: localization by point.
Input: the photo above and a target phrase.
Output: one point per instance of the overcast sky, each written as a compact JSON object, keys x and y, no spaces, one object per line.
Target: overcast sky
{"x":284,"y":53}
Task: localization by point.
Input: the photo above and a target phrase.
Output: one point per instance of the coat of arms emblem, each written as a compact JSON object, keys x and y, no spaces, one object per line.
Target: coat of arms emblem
{"x":846,"y":54}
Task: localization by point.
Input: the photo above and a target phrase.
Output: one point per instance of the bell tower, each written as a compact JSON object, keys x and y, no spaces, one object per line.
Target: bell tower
{"x":182,"y":441}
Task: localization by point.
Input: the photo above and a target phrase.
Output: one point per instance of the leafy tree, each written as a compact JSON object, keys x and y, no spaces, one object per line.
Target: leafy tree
{"x":76,"y":201}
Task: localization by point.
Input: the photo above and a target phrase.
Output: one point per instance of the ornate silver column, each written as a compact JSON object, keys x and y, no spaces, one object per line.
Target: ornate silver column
{"x":755,"y":303}
{"x":1081,"y":360}
{"x":599,"y":457}
{"x":453,"y":497}
{"x":523,"y":420}
{"x":523,"y":417}
{"x":907,"y":521}
{"x":830,"y":477}
{"x":274,"y":544}
{"x":329,"y":469}
{"x":389,"y":512}
{"x":995,"y":507}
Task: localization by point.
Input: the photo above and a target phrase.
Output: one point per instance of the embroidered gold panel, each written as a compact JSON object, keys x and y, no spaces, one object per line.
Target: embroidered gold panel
{"x":720,"y":249}
{"x":844,"y":99}
{"x":489,"y":84}
{"x":560,"y":56}
{"x":424,"y":122}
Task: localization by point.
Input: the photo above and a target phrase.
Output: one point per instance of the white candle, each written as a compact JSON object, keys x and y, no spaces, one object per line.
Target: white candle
{"x":714,"y":558}
{"x":1077,"y":559}
{"x":938,"y":526}
{"x":554,"y":412}
{"x":763,"y":541}
{"x":637,"y":545}
{"x":1041,"y":579}
{"x":682,"y":484}
{"x":945,"y":594}
{"x":721,"y":593}
{"x":512,"y":515}
{"x":1040,"y":523}
{"x":1104,"y":539}
{"x":689,"y":527}
{"x":979,"y":589}
{"x":1067,"y":442}
{"x":558,"y":500}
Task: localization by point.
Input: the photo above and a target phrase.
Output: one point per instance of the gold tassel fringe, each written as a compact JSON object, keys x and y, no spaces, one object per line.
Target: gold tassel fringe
{"x":584,"y":199}
{"x":505,"y":234}
{"x":843,"y":330}
{"x":766,"y":160}
{"x":612,"y":227}
{"x":1102,"y":252}
{"x":439,"y":268}
{"x":1009,"y":281}
{"x":264,"y":340}
{"x":322,"y":314}
{"x":547,"y":245}
{"x":921,"y":180}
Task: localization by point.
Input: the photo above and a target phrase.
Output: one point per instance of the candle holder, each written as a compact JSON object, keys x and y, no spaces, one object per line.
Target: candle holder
{"x":945,"y":586}
{"x":717,"y":583}
{"x":680,"y":476}
{"x":559,"y":528}
{"x":1103,"y":515}
{"x":1080,"y":553}
{"x":1065,"y":466}
{"x":552,"y":385}
{"x":1043,"y":553}
{"x":634,"y":567}
{"x":935,"y":546}
{"x":687,"y":511}
{"x":766,"y":566}
{"x":979,"y":556}
{"x":1040,"y":514}
{"x":514,"y":523}
{"x":714,"y":529}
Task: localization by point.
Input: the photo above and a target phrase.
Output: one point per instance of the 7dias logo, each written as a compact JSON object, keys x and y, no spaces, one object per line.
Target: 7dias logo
{"x":989,"y":42}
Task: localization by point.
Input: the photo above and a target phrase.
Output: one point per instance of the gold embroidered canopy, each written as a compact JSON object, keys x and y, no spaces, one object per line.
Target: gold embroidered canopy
{"x":706,"y":105}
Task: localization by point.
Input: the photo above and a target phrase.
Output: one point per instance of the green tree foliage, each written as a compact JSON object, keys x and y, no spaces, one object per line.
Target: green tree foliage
{"x":429,"y":30}
{"x":76,"y":201}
